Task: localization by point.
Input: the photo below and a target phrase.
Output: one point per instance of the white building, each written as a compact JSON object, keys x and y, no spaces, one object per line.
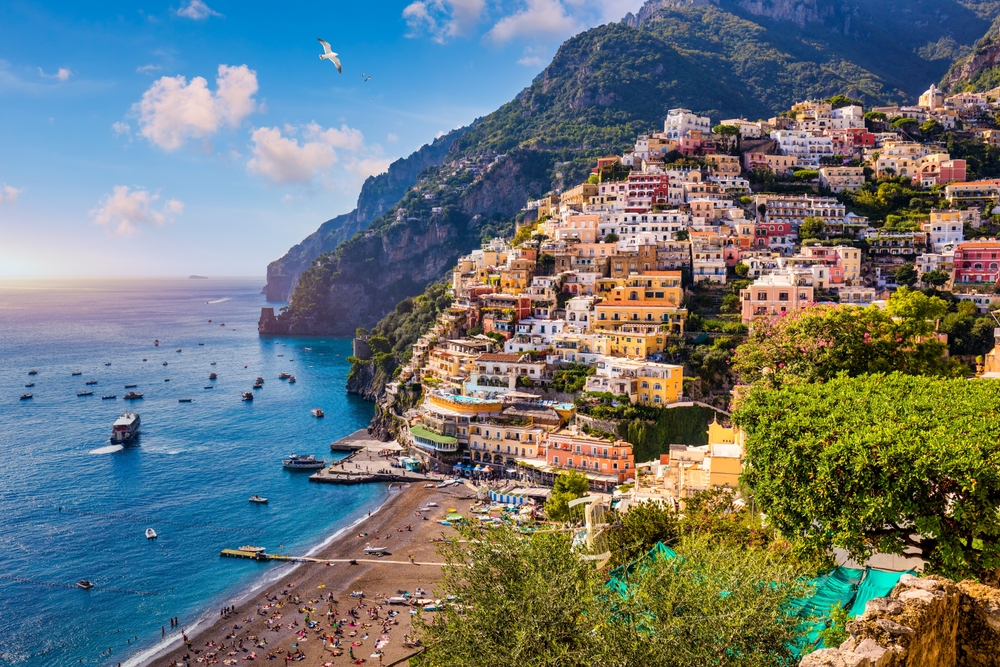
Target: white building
{"x":680,"y":122}
{"x":805,"y":147}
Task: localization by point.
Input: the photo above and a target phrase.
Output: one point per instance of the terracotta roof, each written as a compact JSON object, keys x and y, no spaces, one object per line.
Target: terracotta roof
{"x":507,"y":358}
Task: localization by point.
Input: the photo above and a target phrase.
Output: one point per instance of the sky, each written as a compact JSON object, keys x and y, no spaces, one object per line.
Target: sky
{"x":179,"y":137}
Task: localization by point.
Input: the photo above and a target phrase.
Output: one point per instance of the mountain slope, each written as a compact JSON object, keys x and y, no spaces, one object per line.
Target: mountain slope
{"x":378,"y":194}
{"x":726,"y":58}
{"x":978,"y":71}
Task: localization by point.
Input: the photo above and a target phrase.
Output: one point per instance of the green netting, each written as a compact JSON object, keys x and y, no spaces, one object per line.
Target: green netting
{"x":617,"y":582}
{"x":877,"y":584}
{"x":837,"y":587}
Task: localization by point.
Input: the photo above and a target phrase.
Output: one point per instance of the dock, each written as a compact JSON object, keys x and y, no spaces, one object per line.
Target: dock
{"x":353,"y":443}
{"x":368,"y":463}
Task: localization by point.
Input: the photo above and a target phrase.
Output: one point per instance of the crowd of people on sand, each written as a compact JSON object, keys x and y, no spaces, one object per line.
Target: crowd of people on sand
{"x":336,"y":633}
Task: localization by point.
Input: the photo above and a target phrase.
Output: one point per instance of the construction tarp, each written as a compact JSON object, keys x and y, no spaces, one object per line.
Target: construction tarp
{"x":838,"y":587}
{"x":877,"y":584}
{"x":617,"y":583}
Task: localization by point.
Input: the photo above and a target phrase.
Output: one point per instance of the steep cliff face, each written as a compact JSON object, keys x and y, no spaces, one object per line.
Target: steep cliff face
{"x":979,"y":71}
{"x":396,"y":258}
{"x":378,"y":194}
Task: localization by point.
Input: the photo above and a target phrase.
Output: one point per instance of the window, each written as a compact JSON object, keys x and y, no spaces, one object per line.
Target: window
{"x":657,"y":387}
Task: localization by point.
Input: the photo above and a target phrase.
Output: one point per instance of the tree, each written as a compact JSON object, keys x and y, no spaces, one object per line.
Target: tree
{"x":741,"y":269}
{"x":805,"y":175}
{"x":916,"y":310}
{"x":820,"y":342}
{"x":880,"y":463}
{"x":568,"y":486}
{"x":841,"y":100}
{"x":537,"y":583}
{"x":907,"y":126}
{"x":812,"y":228}
{"x":932,"y":128}
{"x":906,"y":275}
{"x":935,"y":278}
{"x":611,"y":238}
{"x":635,"y":532}
{"x":726,"y":130}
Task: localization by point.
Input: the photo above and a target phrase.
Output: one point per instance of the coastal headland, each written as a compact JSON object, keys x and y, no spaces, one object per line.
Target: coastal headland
{"x":272,"y":621}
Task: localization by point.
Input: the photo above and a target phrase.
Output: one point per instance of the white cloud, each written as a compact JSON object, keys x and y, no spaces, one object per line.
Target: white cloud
{"x":146,"y":69}
{"x":392,"y":137}
{"x":124,"y":211}
{"x":121,"y":127}
{"x":280,"y":157}
{"x":62,"y":74}
{"x":443,"y":19}
{"x":197,"y":10}
{"x":9,"y":193}
{"x":532,"y":57}
{"x":173,"y":110}
{"x":537,"y":18}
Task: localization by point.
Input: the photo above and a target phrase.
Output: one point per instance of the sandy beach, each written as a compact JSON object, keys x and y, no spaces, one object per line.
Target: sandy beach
{"x":273,"y":621}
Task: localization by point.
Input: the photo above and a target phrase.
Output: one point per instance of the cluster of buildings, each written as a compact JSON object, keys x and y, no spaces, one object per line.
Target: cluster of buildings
{"x":589,"y":295}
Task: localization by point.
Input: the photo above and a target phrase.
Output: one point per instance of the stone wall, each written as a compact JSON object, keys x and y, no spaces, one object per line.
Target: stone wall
{"x":924,"y":622}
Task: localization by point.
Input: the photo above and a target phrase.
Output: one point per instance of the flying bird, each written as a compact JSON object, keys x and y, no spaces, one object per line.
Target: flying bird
{"x":328,"y":54}
{"x":368,"y":79}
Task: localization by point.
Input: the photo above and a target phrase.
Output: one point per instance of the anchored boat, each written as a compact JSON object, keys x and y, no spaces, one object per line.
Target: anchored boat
{"x":317,"y":412}
{"x":309,"y":462}
{"x":257,"y":499}
{"x":126,"y":428}
{"x":248,"y":396}
{"x":84,"y":584}
{"x":131,"y":396}
{"x":150,"y":534}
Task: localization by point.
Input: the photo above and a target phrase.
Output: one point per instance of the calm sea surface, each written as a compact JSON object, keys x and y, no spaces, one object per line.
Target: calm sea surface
{"x":188,"y":476}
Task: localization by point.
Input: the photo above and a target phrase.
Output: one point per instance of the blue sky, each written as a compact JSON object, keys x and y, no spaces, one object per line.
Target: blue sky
{"x":206,"y":136}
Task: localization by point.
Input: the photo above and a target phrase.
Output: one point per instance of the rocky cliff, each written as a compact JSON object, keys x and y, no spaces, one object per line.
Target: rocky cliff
{"x":378,"y":195}
{"x":979,"y":70}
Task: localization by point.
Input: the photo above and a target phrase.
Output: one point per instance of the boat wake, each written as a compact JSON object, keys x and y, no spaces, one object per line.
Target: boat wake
{"x":219,"y":300}
{"x":108,"y":449}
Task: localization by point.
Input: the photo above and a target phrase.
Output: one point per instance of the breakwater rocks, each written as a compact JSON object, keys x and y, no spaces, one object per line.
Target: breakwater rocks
{"x":924,"y":622}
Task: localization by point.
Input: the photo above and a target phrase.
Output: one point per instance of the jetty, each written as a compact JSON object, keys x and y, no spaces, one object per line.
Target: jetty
{"x":369,"y":462}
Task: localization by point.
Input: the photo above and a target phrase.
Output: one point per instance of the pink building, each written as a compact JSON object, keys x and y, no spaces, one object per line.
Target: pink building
{"x":774,"y":294}
{"x":977,"y":261}
{"x":695,"y":144}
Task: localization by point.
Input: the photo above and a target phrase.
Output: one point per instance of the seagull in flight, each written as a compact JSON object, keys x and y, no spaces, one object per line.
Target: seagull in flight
{"x":368,"y":79}
{"x":328,"y":54}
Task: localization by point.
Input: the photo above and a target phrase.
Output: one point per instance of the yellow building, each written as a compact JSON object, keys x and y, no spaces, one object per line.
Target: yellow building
{"x":725,"y":456}
{"x":576,"y":197}
{"x":517,"y":276}
{"x":653,"y":297}
{"x":724,"y":165}
{"x":633,"y":341}
{"x":660,"y":384}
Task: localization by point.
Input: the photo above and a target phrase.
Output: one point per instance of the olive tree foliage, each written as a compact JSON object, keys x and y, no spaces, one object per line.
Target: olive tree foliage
{"x":880,"y":463}
{"x":567,"y":487}
{"x":818,"y":343}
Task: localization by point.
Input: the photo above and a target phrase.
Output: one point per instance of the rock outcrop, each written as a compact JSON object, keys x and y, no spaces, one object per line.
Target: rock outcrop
{"x":924,"y":622}
{"x":378,"y":195}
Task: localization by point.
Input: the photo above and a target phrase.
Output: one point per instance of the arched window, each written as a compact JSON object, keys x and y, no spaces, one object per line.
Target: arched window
{"x":657,"y":387}
{"x":645,"y":385}
{"x":633,"y":296}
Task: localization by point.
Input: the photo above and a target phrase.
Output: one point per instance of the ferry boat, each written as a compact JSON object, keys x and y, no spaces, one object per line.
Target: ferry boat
{"x":125,"y":428}
{"x":257,"y":499}
{"x":284,"y":376}
{"x":132,"y":396}
{"x":317,"y":412}
{"x":248,"y":396}
{"x":212,"y":376}
{"x":310,"y":462}
{"x":25,"y":397}
{"x":150,"y":534}
{"x":77,"y":373}
{"x":84,"y":393}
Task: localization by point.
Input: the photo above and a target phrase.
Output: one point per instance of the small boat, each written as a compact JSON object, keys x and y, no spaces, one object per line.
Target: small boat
{"x":132,"y":396}
{"x":109,"y":397}
{"x":209,"y":387}
{"x":258,"y":386}
{"x":281,"y":355}
{"x":310,"y":462}
{"x":248,"y":396}
{"x":432,"y":504}
{"x":309,"y":348}
{"x":164,"y":363}
{"x":357,"y":594}
{"x":317,"y":412}
{"x":144,"y":358}
{"x":212,"y":364}
{"x":210,"y":321}
{"x":212,"y":376}
{"x":84,"y":393}
{"x":252,"y":549}
{"x":150,"y":534}
{"x":200,"y":343}
{"x":25,"y":397}
{"x":84,"y":584}
{"x":29,"y":385}
{"x":131,"y":386}
{"x":284,"y":376}
{"x":260,"y":380}
{"x":257,"y":499}
{"x":291,"y":380}
{"x":107,"y":363}
{"x":178,"y":349}
{"x":126,"y":428}
{"x":77,"y":373}
{"x":89,"y":382}
{"x":32,"y":372}
{"x":166,"y":379}
{"x":378,"y":551}
{"x":184,"y":400}
{"x":222,"y":324}
{"x":156,"y":343}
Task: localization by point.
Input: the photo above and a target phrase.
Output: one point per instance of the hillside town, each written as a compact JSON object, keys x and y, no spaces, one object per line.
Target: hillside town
{"x":589,"y":303}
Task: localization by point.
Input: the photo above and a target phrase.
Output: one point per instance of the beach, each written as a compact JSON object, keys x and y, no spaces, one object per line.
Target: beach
{"x":272,"y":614}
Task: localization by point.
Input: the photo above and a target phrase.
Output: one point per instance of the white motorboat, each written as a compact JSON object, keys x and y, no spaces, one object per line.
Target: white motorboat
{"x":258,"y":499}
{"x":378,"y":551}
{"x":248,"y":396}
{"x":309,"y":462}
{"x":251,"y":549}
{"x":150,"y":534}
{"x":84,"y":584}
{"x":126,"y":428}
{"x":317,"y":412}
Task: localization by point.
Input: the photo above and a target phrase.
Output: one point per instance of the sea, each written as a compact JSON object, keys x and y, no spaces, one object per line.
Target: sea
{"x":73,"y":506}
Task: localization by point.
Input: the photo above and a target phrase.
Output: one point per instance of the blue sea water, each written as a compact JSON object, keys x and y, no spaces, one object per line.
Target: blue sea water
{"x":188,"y":477}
